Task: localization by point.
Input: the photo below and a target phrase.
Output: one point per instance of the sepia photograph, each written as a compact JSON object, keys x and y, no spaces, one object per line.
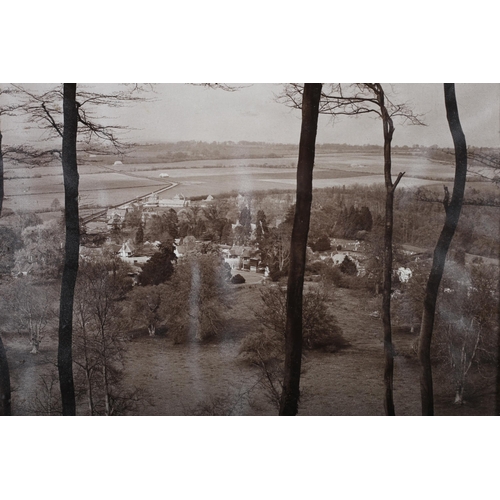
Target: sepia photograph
{"x":175,"y":250}
{"x":220,"y":249}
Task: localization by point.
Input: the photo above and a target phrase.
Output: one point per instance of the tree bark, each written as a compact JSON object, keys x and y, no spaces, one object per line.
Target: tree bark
{"x":2,"y":192}
{"x":453,"y":209}
{"x":71,"y":254}
{"x":5,"y":392}
{"x":293,"y":331}
{"x":390,"y":187}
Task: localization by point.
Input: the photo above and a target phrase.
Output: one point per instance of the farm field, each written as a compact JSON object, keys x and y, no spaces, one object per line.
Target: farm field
{"x":182,"y":377}
{"x":36,"y":188}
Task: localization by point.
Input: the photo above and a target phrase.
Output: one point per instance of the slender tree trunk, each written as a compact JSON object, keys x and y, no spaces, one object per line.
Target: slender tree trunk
{"x":293,"y":332}
{"x":497,"y":399}
{"x":390,"y":187}
{"x":70,"y":271}
{"x":453,"y":209}
{"x":5,"y":394}
{"x":2,"y":192}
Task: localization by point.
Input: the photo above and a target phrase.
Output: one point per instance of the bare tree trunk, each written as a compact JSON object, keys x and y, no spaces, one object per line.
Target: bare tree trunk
{"x":5,"y":394}
{"x":453,"y":209}
{"x":293,"y":332}
{"x":70,"y":271}
{"x":2,"y":192}
{"x":390,"y":187}
{"x":497,"y":392}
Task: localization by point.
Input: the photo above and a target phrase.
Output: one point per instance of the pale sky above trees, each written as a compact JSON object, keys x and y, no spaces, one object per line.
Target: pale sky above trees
{"x":187,"y":112}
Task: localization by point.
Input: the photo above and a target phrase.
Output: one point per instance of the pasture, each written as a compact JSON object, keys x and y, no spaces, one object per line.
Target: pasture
{"x":182,"y":378}
{"x":36,"y":188}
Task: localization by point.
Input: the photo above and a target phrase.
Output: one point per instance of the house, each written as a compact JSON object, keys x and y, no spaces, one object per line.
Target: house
{"x":251,"y":259}
{"x":126,"y":250}
{"x":115,"y":217}
{"x":239,"y":257}
{"x":178,"y":201}
{"x":180,"y":250}
{"x":151,"y":200}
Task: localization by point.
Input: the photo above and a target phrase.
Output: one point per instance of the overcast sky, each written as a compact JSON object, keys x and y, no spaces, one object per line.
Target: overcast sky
{"x":187,"y":112}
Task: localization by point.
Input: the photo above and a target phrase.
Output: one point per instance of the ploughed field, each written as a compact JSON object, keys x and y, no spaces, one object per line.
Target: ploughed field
{"x":205,"y":378}
{"x":36,"y":188}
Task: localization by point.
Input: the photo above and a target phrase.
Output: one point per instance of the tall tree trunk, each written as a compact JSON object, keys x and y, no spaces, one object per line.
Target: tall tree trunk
{"x":5,"y":394}
{"x":293,"y":332}
{"x":387,"y":270}
{"x":2,"y":192}
{"x":70,"y":271}
{"x":453,"y":209}
{"x":497,"y":398}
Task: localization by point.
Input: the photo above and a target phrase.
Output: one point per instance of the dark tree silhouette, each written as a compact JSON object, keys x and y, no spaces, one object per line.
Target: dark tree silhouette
{"x":44,"y":110}
{"x":452,"y":208}
{"x":71,"y":249}
{"x":160,"y":267}
{"x":5,"y":391}
{"x":293,"y":332}
{"x":352,"y":100}
{"x":5,"y":395}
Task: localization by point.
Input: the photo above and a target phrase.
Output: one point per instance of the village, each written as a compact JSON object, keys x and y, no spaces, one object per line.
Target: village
{"x":242,"y":253}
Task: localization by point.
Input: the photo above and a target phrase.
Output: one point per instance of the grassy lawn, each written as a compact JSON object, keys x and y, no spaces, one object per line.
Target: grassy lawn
{"x":180,"y":379}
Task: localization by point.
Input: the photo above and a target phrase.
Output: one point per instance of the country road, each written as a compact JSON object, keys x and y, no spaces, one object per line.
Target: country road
{"x":100,"y":213}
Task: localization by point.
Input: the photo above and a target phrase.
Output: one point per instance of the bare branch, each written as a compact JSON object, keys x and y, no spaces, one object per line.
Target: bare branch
{"x":353,"y":99}
{"x":221,"y":86}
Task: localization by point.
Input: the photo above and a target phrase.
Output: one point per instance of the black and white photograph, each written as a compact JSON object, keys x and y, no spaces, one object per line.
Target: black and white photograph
{"x":175,"y":250}
{"x":163,"y":253}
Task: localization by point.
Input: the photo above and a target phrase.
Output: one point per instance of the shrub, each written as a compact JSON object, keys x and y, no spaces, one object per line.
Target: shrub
{"x":237,"y":279}
{"x":331,"y":275}
{"x":348,"y":266}
{"x":198,"y":297}
{"x":276,"y":275}
{"x":266,"y":347}
{"x":322,"y":244}
{"x":320,"y":328}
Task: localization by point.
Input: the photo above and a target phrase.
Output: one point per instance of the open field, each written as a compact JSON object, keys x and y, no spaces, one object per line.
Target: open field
{"x":36,"y":188}
{"x":180,"y":377}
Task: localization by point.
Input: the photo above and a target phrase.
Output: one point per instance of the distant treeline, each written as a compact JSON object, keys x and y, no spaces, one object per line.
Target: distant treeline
{"x":227,"y":150}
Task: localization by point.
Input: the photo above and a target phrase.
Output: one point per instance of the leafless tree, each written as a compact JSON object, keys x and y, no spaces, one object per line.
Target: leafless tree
{"x":354,"y":100}
{"x":293,"y":331}
{"x":95,"y":132}
{"x":78,"y":110}
{"x":99,"y":323}
{"x":452,"y":208}
{"x":5,"y":390}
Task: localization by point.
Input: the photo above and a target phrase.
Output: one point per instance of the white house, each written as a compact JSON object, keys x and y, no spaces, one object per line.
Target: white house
{"x":125,"y":250}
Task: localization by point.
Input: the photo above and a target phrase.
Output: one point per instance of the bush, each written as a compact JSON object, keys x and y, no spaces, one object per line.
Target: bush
{"x":319,"y":326}
{"x":276,"y":275}
{"x":237,"y":279}
{"x":266,"y":347}
{"x":322,"y":244}
{"x":348,"y":266}
{"x":198,"y":298}
{"x":315,"y":267}
{"x":331,"y":275}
